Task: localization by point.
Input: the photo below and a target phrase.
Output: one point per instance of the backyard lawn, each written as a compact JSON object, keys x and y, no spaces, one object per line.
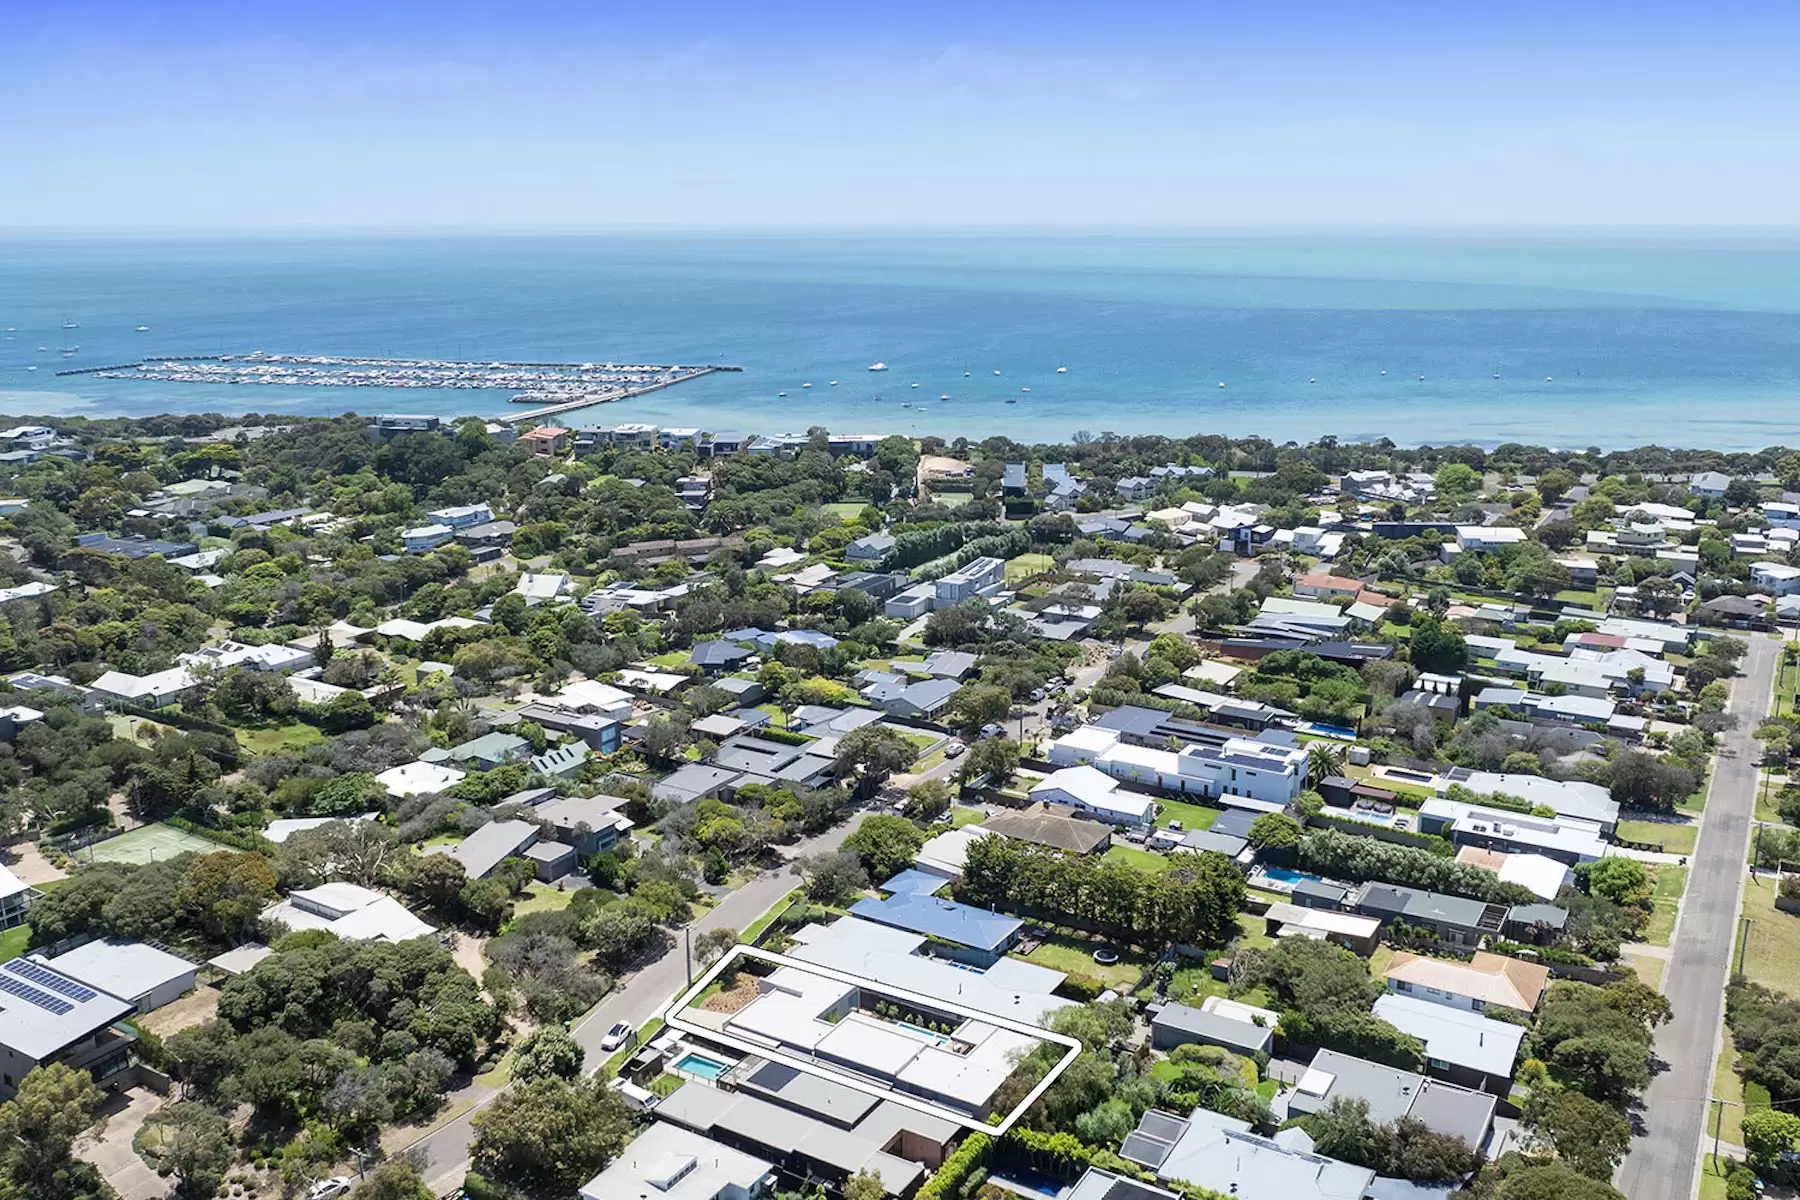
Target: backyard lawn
{"x":14,"y":941}
{"x":1192,"y":985}
{"x":1142,"y":860}
{"x":960,"y":816}
{"x":1074,"y":955}
{"x":843,"y":511}
{"x":542,"y":897}
{"x":1673,"y":838}
{"x":672,"y":658}
{"x":1671,"y":883}
{"x":1191,"y":816}
{"x":952,"y":499}
{"x":278,"y":739}
{"x":1027,"y":565}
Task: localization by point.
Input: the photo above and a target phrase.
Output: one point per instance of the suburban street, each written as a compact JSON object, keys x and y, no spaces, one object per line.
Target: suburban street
{"x":1664,"y":1163}
{"x":641,"y":997}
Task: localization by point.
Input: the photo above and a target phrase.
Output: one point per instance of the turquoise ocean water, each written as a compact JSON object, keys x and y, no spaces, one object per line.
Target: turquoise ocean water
{"x":1619,"y":341}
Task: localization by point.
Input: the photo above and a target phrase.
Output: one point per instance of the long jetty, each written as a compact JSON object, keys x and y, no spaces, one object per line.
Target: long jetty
{"x":566,"y":386}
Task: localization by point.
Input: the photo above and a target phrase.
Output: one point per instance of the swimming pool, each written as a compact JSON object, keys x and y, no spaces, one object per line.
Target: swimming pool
{"x":700,"y":1066}
{"x":941,"y":1039}
{"x":1283,"y":875}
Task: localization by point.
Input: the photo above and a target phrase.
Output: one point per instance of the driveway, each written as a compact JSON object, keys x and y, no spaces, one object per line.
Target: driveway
{"x":111,"y":1151}
{"x":1664,"y":1163}
{"x":643,"y":996}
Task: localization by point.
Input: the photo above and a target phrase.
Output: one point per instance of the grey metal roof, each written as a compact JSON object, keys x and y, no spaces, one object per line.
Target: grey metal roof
{"x":809,"y":1093}
{"x":43,"y":1010}
{"x":492,"y":844}
{"x":1211,"y":1027}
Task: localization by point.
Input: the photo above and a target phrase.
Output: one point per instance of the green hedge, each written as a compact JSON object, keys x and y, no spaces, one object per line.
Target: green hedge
{"x":786,"y":737}
{"x":969,"y":1157}
{"x":235,"y":838}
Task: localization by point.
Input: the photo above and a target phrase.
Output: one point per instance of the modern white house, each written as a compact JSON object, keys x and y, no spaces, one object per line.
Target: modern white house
{"x":461,"y":516}
{"x":15,"y":899}
{"x":672,"y":1163}
{"x":351,"y":911}
{"x":1485,"y":539}
{"x":1777,"y":579}
{"x":421,"y":538}
{"x":1090,"y":790}
{"x":980,"y":577}
{"x":134,"y":971}
{"x":1242,"y":772}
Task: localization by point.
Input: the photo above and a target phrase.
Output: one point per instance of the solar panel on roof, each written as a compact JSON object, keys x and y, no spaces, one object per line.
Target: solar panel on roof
{"x":31,"y":995}
{"x":39,"y":974}
{"x":1161,"y":1125}
{"x":1146,"y":1150}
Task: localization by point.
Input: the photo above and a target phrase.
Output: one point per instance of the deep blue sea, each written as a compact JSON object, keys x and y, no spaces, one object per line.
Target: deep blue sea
{"x":1574,"y":341}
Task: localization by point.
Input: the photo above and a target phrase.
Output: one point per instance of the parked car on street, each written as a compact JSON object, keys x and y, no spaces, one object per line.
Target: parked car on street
{"x":615,"y":1037}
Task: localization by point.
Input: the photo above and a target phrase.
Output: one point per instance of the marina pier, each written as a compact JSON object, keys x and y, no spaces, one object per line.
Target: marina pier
{"x":554,"y":387}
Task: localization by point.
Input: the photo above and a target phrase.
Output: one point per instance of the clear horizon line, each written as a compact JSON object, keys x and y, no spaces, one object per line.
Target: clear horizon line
{"x":948,"y":230}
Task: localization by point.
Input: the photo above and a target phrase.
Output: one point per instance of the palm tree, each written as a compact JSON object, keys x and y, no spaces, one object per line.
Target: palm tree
{"x":1323,"y":759}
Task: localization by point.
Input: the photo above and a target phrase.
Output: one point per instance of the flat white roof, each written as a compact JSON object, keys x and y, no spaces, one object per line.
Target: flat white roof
{"x":127,"y":969}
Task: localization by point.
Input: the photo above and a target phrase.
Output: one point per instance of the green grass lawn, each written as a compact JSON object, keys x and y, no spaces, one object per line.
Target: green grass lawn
{"x":1674,"y":839}
{"x":671,"y":658}
{"x":1191,"y":816}
{"x":136,"y":729}
{"x":1074,"y":955}
{"x":14,"y":941}
{"x":1772,"y":953}
{"x":763,"y":922}
{"x":1027,"y":565}
{"x":1712,"y":1177}
{"x":960,"y":816}
{"x":1766,"y":793}
{"x":1671,"y":883}
{"x":542,"y":897}
{"x":500,"y":1073}
{"x":1192,"y":985}
{"x":842,"y":510}
{"x":1649,"y":970}
{"x":1729,"y":1086}
{"x":279,"y":738}
{"x":1142,"y":860}
{"x":953,"y":499}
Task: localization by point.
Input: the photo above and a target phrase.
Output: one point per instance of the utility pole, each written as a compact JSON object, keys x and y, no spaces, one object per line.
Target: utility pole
{"x":1744,"y":924}
{"x":687,"y":945}
{"x":1718,"y":1123}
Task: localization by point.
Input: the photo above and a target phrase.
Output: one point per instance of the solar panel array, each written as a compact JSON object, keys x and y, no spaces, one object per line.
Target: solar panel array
{"x":61,"y":984}
{"x":44,"y":1000}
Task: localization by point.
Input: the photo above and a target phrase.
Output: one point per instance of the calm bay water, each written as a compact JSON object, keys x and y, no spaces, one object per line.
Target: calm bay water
{"x":1595,"y":341}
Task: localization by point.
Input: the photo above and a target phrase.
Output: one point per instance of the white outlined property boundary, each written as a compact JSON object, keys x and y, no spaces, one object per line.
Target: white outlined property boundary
{"x":674,"y":1018}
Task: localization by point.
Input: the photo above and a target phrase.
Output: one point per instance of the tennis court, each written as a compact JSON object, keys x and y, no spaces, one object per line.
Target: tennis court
{"x":152,"y":843}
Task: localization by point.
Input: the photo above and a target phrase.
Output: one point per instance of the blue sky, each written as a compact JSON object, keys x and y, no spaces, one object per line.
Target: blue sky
{"x":176,"y":115}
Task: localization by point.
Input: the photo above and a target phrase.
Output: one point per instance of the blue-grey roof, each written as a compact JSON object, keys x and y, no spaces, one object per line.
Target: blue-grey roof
{"x":713,"y":654}
{"x":914,"y":883}
{"x":960,"y":923}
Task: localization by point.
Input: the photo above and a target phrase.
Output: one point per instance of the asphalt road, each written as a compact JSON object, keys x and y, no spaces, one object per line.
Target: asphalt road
{"x":1664,"y":1163}
{"x":644,"y":995}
